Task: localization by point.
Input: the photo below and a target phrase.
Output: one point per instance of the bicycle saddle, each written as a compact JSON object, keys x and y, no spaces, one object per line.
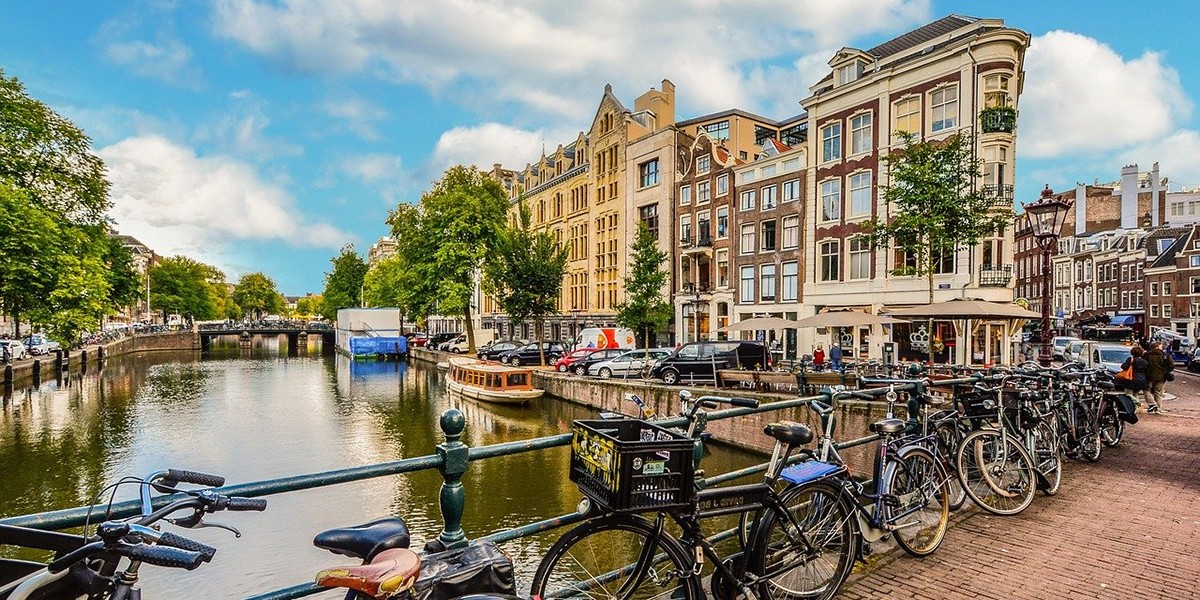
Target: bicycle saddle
{"x":366,"y":540}
{"x":887,"y":426}
{"x":392,"y":573}
{"x":790,"y":433}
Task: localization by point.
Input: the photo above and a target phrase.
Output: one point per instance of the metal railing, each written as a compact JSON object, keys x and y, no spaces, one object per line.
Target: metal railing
{"x":452,"y":459}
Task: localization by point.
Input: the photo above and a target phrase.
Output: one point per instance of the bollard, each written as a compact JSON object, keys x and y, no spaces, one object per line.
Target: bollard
{"x":83,"y":358}
{"x":58,"y":360}
{"x":8,"y":375}
{"x":452,"y":498}
{"x":99,"y":353}
{"x":37,"y":373}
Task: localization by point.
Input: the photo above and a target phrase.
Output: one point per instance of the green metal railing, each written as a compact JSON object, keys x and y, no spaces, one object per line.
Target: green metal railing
{"x":452,"y":459}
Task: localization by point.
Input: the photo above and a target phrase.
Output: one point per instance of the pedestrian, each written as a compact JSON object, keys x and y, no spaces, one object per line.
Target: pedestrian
{"x":835,"y":357}
{"x":1158,"y":372}
{"x":819,"y":358}
{"x":1138,"y":382}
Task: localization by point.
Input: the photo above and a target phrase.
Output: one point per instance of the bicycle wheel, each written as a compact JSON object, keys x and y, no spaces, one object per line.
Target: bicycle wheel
{"x":807,"y":553}
{"x":1090,"y":445}
{"x":919,"y":502}
{"x":996,"y":472}
{"x":949,"y":436}
{"x":1112,"y":428}
{"x":1047,"y":456}
{"x":616,"y":557}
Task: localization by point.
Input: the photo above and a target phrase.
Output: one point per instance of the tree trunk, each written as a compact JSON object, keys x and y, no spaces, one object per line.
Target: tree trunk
{"x":470,"y":330}
{"x":541,"y":339}
{"x":929,"y":279}
{"x":16,"y":315}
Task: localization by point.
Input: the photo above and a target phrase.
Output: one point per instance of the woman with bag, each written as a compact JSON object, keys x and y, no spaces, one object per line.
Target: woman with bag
{"x":1133,"y":372}
{"x":1158,"y":373}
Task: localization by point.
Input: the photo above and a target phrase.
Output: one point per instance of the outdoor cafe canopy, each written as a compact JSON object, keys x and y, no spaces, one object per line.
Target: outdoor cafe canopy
{"x":969,"y":308}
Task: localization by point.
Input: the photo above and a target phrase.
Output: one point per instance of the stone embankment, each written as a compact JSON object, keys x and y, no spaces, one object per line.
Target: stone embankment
{"x":33,"y":370}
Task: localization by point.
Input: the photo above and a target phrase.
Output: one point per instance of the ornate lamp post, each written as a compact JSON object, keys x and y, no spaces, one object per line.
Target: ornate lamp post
{"x":1047,"y":216}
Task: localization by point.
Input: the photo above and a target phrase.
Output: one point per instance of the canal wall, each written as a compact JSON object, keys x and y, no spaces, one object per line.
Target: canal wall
{"x":50,"y":365}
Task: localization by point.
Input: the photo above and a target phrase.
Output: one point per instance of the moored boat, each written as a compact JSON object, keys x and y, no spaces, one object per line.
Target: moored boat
{"x":491,"y":382}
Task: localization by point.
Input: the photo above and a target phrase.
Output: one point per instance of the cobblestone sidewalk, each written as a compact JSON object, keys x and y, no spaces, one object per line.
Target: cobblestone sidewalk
{"x":1127,"y":527}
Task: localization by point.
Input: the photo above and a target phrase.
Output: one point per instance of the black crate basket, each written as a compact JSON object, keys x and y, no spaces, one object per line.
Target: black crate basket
{"x":632,"y":465}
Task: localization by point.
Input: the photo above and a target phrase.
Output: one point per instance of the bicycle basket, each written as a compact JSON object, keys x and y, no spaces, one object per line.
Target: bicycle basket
{"x":630,"y":465}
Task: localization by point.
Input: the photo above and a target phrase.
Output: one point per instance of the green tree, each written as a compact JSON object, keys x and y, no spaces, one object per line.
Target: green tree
{"x":644,"y":309}
{"x":344,"y":284}
{"x":224,"y":306}
{"x":309,"y":305}
{"x":124,"y":283}
{"x":525,"y":271}
{"x":414,"y":270}
{"x":30,"y":249}
{"x":934,"y":206}
{"x":183,"y":286}
{"x":255,"y":293}
{"x":81,"y":293}
{"x":49,"y":157}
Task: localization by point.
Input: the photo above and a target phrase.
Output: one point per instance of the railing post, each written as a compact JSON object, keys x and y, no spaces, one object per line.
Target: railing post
{"x":454,"y":464}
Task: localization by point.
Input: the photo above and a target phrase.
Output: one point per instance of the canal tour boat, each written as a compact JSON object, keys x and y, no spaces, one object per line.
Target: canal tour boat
{"x":491,"y":382}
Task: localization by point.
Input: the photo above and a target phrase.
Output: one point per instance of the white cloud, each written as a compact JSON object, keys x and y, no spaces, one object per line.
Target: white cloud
{"x":549,"y":56}
{"x":360,"y":116}
{"x":1175,"y":154}
{"x":180,"y":203}
{"x":163,"y":56}
{"x":242,"y":128}
{"x":1082,"y":97}
{"x":490,"y":143}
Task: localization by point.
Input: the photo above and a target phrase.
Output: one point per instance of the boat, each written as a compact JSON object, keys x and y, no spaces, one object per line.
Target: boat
{"x":491,"y":382}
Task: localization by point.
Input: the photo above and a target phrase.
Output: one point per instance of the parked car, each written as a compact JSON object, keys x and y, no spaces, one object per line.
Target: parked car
{"x":38,"y":344}
{"x":581,"y":366}
{"x":496,"y":349}
{"x":1108,"y":356}
{"x":530,"y":355}
{"x":700,"y":361}
{"x":1193,"y":364}
{"x":1073,"y":351}
{"x":483,"y":337}
{"x":418,"y":339}
{"x":16,"y":349}
{"x":629,"y":364}
{"x":437,"y":339}
{"x":563,"y":364}
{"x":1059,"y":344}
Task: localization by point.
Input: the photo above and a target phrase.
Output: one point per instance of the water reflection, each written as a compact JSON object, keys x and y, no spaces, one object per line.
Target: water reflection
{"x":256,"y":413}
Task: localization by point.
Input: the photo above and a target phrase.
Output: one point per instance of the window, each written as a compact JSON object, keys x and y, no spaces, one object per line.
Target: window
{"x":702,"y":164}
{"x":723,"y":222}
{"x":718,"y":131}
{"x":1195,"y":281}
{"x":746,"y":290}
{"x":768,"y":236}
{"x":1166,"y":311}
{"x":943,"y":262}
{"x":1154,"y":310}
{"x":860,"y":133}
{"x":995,"y":91}
{"x":649,"y":172}
{"x":748,"y":199}
{"x":790,"y":280}
{"x":944,"y":105}
{"x":722,"y":268}
{"x":860,"y":194}
{"x":685,"y":194}
{"x":791,"y":232}
{"x":1166,"y":288}
{"x":791,"y":190}
{"x":831,"y":200}
{"x":703,"y":230}
{"x":762,"y":134}
{"x":995,"y":165}
{"x":703,"y":192}
{"x":649,"y":216}
{"x":860,"y":260}
{"x":831,"y":142}
{"x":907,"y":116}
{"x":747,"y":243}
{"x":685,"y":229}
{"x":768,"y":197}
{"x":1194,"y":260}
{"x":831,"y":270}
{"x":722,"y":185}
{"x":1139,"y":299}
{"x":768,"y":282}
{"x":1154,"y":289}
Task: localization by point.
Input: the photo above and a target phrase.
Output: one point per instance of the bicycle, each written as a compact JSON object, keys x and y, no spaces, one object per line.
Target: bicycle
{"x":996,"y":470}
{"x":90,"y":566}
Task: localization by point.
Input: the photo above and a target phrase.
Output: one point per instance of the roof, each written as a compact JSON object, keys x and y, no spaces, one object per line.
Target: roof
{"x":726,"y":113}
{"x":1167,"y":257}
{"x":921,"y":35}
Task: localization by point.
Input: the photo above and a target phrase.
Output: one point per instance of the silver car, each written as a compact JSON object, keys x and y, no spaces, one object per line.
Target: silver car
{"x":629,"y":364}
{"x":16,"y":349}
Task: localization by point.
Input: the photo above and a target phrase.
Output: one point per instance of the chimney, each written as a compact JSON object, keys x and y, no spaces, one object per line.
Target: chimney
{"x":1129,"y":197}
{"x":1080,"y":209}
{"x":1155,"y":216}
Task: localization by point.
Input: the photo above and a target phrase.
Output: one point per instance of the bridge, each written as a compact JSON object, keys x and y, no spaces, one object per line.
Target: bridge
{"x":296,"y":333}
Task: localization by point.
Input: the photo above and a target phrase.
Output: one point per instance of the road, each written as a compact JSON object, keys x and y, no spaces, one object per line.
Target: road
{"x":1126,"y":527}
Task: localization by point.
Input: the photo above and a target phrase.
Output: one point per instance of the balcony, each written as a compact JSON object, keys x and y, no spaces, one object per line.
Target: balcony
{"x":691,"y":245}
{"x":995,"y":275}
{"x":998,"y":119}
{"x":1000,"y":197}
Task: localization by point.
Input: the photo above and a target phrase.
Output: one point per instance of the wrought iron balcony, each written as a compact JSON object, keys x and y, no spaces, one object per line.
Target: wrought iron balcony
{"x":998,"y":119}
{"x":995,"y":275}
{"x":999,"y":196}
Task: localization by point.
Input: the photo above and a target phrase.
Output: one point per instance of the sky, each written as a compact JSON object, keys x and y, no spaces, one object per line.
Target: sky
{"x":263,"y":135}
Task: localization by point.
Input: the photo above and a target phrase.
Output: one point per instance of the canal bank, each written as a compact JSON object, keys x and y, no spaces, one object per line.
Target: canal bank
{"x":59,"y":364}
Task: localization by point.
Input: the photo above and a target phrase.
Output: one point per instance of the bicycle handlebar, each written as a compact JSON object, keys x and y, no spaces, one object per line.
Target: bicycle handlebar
{"x":194,"y":477}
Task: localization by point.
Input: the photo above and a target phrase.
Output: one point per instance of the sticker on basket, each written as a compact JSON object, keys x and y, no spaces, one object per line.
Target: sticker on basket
{"x":637,"y":464}
{"x":654,"y":467}
{"x":647,"y":435}
{"x":663,"y":454}
{"x":664,"y":436}
{"x":596,"y":455}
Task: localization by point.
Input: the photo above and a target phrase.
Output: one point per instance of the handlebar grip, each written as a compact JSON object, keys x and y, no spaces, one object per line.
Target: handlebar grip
{"x":744,"y":402}
{"x":74,"y":556}
{"x":178,"y":541}
{"x":195,"y":477}
{"x":238,"y":503}
{"x":163,"y":556}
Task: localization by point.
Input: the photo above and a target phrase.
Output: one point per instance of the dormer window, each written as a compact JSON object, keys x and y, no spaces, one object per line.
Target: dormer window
{"x":848,"y":73}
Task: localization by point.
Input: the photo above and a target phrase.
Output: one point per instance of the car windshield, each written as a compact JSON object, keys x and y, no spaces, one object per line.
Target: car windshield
{"x":1117,"y":355}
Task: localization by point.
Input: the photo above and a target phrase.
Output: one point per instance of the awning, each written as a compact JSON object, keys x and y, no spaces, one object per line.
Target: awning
{"x":1122,"y":320}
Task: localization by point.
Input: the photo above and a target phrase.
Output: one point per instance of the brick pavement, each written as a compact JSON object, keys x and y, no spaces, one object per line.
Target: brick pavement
{"x":1127,"y":527}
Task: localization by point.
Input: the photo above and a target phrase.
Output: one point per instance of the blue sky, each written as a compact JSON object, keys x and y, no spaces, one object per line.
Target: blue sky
{"x":264,"y":134}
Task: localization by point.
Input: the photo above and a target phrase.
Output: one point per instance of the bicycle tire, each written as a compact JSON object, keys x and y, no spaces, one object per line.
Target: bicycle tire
{"x":829,"y":527}
{"x":996,"y":471}
{"x":1112,"y":428}
{"x":918,"y":484}
{"x":601,"y":556}
{"x":949,"y":436}
{"x":1048,"y":458}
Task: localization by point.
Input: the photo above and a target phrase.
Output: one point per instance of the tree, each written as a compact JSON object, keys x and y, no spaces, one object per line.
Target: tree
{"x":412,"y":268}
{"x":30,"y":247}
{"x":255,"y":293}
{"x":183,"y":286}
{"x":224,"y":306}
{"x":49,"y":157}
{"x":309,"y":305}
{"x":124,"y":283}
{"x":644,"y":309}
{"x":934,"y":205}
{"x":344,"y":284}
{"x":525,"y":271}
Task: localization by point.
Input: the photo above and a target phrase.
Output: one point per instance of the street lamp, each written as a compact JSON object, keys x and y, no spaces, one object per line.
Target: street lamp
{"x":1047,"y":216}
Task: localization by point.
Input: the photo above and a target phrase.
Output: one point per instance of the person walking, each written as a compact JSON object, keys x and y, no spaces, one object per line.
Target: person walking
{"x":1158,"y":371}
{"x":819,"y":358}
{"x":835,"y":358}
{"x":1138,"y":383}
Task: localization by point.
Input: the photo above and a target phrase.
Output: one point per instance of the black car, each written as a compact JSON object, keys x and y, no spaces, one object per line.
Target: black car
{"x":700,"y":361}
{"x":580,"y":367}
{"x":529,"y":354}
{"x":436,"y":339}
{"x":495,"y":349}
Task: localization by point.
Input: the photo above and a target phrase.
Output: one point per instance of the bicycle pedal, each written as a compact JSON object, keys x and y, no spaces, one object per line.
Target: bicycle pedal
{"x":892,"y":501}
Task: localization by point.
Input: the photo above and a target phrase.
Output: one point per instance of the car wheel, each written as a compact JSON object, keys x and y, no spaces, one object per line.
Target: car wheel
{"x":562,"y":368}
{"x":606,"y":373}
{"x":670,"y":377}
{"x":580,"y":371}
{"x":515,"y":361}
{"x":457,"y":350}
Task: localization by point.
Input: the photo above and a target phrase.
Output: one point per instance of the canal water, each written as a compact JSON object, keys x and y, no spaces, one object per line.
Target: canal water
{"x":252,"y":414}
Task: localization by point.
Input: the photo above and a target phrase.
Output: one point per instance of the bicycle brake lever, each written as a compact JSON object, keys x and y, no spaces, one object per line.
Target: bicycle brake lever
{"x":191,"y":522}
{"x":229,"y":528}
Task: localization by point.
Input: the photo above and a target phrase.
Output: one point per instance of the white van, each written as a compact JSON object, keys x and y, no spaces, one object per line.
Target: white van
{"x":602,"y":338}
{"x":1099,"y":354}
{"x":483,"y":337}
